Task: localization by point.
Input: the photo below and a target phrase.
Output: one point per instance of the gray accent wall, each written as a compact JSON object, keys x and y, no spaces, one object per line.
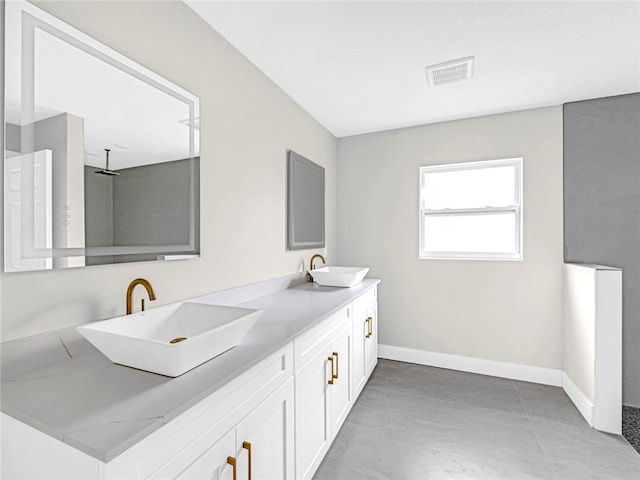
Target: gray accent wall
{"x":152,"y":206}
{"x":147,"y":205}
{"x":12,"y":137}
{"x":98,"y":208}
{"x":602,"y":206}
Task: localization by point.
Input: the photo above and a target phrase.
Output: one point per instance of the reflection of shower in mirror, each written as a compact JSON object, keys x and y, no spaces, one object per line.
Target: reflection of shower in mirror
{"x":106,"y":171}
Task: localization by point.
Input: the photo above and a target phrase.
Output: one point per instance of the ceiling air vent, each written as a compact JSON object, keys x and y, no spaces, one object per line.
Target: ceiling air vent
{"x":450,"y":72}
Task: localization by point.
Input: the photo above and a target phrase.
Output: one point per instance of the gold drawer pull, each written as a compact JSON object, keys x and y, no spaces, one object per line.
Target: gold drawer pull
{"x":331,"y":359}
{"x":247,"y":446}
{"x":337,"y":367}
{"x":369,"y":321}
{"x":232,"y":461}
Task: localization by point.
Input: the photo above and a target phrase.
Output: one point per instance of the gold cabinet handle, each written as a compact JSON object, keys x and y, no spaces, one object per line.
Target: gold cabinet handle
{"x":369,"y":321}
{"x":331,"y":359}
{"x":337,"y":367}
{"x":232,"y":461}
{"x":247,"y":446}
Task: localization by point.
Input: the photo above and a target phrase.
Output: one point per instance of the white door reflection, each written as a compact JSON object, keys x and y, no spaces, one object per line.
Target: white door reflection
{"x":28,"y":212}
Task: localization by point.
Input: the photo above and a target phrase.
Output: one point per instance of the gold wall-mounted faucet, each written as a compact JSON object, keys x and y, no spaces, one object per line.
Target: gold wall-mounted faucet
{"x":317,"y":255}
{"x":138,"y":281}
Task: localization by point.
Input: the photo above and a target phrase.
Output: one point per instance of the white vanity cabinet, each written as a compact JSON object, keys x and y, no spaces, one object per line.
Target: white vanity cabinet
{"x":324,"y":395}
{"x":273,"y":420}
{"x":365,"y":338}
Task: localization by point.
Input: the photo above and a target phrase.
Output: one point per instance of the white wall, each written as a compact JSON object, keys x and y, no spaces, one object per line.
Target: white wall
{"x":508,"y":311}
{"x":593,"y":343}
{"x":247,"y":124}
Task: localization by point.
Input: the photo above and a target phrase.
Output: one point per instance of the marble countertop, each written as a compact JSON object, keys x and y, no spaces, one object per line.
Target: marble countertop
{"x":61,"y":385}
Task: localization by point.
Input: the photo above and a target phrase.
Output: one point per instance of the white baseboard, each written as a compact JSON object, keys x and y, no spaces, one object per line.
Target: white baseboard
{"x":513,"y":371}
{"x":579,"y":399}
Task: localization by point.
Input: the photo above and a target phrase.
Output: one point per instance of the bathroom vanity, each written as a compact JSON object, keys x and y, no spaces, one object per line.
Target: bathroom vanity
{"x":268,"y":408}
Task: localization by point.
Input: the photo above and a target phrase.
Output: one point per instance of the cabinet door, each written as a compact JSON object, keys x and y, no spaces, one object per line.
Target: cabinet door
{"x":360,"y":329}
{"x":313,"y":421}
{"x":365,"y":339}
{"x":341,"y":390}
{"x":212,"y":464}
{"x":371,"y":340}
{"x":264,"y":439}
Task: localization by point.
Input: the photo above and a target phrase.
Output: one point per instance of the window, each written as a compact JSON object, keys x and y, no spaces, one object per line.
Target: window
{"x":472,"y":210}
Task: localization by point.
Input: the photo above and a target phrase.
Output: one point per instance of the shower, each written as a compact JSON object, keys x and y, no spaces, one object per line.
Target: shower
{"x":106,"y":170}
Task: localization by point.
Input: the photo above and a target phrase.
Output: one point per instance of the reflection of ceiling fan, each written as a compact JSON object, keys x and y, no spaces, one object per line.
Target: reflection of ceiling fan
{"x":106,"y":170}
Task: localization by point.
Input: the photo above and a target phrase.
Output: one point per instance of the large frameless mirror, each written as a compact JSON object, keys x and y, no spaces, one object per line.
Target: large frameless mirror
{"x":101,"y":161}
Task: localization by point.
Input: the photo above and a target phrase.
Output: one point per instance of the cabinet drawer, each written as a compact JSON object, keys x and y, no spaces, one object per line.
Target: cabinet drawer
{"x":307,"y":345}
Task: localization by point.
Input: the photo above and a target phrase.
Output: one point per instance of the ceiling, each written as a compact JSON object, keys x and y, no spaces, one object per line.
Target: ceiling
{"x":359,"y":66}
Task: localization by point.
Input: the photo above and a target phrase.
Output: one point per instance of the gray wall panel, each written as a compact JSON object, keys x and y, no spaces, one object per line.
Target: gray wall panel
{"x":602,"y":205}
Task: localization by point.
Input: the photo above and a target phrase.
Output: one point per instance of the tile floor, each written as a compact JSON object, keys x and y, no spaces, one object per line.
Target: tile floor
{"x":414,"y":422}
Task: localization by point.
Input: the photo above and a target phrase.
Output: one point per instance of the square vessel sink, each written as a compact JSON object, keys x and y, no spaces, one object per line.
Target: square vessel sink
{"x":338,"y":276}
{"x":172,"y":339}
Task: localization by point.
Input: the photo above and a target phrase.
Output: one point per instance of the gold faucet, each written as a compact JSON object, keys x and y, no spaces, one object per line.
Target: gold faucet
{"x":317,"y":255}
{"x":138,"y":281}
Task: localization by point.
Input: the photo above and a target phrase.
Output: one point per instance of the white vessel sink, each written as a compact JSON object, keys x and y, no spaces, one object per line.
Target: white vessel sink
{"x":172,"y":339}
{"x":338,"y":276}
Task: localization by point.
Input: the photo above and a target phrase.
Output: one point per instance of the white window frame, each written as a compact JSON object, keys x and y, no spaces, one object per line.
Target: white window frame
{"x":488,"y":210}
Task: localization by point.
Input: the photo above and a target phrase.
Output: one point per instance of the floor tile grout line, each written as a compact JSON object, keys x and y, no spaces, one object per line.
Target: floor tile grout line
{"x":533,"y":428}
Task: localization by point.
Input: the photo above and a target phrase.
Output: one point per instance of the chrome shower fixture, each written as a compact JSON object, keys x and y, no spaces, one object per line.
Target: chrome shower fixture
{"x":106,"y":170}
